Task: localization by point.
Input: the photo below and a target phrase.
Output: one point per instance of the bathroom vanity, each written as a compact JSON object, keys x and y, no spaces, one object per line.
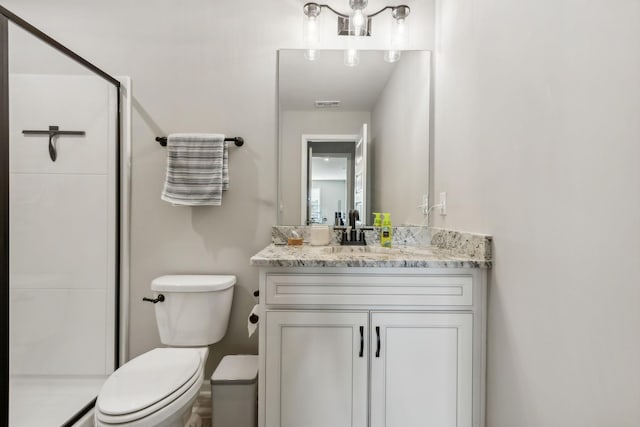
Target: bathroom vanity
{"x":366,"y":336}
{"x":371,"y":337}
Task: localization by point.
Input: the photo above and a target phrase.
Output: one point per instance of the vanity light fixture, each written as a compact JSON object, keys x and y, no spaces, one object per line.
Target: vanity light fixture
{"x":356,"y":23}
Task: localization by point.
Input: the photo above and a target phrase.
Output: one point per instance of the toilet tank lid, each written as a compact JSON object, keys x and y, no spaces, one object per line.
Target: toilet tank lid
{"x":192,"y":283}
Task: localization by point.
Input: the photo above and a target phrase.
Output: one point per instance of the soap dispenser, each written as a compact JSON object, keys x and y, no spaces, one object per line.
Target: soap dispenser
{"x":386,"y":231}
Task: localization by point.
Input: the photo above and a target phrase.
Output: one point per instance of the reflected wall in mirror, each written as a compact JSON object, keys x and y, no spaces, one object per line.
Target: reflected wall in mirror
{"x":352,"y":137}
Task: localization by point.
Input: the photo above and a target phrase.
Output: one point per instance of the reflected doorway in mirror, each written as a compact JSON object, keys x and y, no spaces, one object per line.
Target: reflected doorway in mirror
{"x":327,"y":185}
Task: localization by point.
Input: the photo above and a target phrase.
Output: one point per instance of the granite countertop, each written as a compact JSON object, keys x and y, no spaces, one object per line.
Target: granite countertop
{"x":365,"y":256}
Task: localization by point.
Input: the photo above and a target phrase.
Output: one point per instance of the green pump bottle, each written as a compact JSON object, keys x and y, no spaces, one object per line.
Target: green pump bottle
{"x":386,"y":231}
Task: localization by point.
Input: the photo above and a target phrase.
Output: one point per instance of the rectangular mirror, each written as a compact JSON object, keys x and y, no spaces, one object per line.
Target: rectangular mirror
{"x":352,"y":137}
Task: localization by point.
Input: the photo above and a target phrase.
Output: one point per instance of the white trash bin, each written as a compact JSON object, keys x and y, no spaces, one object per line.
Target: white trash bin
{"x":234,"y":392}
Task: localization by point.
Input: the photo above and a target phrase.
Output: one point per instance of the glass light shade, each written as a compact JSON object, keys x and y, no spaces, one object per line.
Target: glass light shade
{"x":351,"y":57}
{"x":399,"y":33}
{"x":311,"y":35}
{"x":358,"y":21}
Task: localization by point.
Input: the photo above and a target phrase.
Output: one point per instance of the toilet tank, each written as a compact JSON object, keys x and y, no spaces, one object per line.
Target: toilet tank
{"x":195,"y":310}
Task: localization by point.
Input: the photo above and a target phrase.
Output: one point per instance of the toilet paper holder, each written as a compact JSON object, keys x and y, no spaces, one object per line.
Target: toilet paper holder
{"x":254,"y":317}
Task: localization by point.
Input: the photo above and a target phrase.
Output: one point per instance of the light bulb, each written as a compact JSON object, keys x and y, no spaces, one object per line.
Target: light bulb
{"x":351,"y":57}
{"x":399,"y":33}
{"x":358,"y":19}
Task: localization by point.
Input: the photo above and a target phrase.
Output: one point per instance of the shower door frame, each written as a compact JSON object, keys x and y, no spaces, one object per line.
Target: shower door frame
{"x":5,"y":18}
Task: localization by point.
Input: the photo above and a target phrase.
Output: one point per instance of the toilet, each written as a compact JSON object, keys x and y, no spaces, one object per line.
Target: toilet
{"x":159,"y":387}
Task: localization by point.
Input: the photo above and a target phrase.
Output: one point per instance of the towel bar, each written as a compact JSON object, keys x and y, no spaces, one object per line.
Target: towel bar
{"x":238,"y":140}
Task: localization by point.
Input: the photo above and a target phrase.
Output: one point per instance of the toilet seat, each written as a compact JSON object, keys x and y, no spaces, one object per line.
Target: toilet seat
{"x":149,"y":383}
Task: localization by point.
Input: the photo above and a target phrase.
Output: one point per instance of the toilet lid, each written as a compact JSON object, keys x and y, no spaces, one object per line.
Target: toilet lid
{"x":193,"y":283}
{"x":147,"y":379}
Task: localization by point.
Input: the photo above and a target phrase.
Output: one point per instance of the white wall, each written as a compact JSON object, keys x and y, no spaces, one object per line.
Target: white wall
{"x":62,"y":220}
{"x":400,"y":136}
{"x":537,"y":142}
{"x":198,"y":66}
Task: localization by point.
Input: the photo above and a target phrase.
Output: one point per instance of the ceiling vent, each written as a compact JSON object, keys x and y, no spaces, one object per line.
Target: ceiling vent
{"x":327,"y":104}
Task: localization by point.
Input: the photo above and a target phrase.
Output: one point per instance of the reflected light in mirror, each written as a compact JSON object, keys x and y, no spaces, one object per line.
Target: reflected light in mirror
{"x":392,"y":55}
{"x":351,"y":57}
{"x":311,"y":54}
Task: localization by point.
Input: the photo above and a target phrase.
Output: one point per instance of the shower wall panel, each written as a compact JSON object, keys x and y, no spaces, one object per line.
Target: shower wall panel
{"x":62,"y":240}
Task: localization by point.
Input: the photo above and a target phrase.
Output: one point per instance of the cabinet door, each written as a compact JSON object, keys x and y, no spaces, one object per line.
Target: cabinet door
{"x":422,"y":374}
{"x":316,"y":373}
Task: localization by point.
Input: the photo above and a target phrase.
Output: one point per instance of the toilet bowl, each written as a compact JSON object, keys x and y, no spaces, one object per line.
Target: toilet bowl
{"x":158,"y":388}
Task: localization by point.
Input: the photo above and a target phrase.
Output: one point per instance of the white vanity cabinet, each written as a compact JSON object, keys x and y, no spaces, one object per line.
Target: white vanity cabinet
{"x":315,"y":376}
{"x":378,"y":347}
{"x":422,"y":374}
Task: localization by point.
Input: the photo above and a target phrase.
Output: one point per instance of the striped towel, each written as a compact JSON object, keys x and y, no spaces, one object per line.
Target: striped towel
{"x":197,"y":169}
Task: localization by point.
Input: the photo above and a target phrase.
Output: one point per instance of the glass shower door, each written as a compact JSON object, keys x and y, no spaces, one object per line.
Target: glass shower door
{"x":63,"y":139}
